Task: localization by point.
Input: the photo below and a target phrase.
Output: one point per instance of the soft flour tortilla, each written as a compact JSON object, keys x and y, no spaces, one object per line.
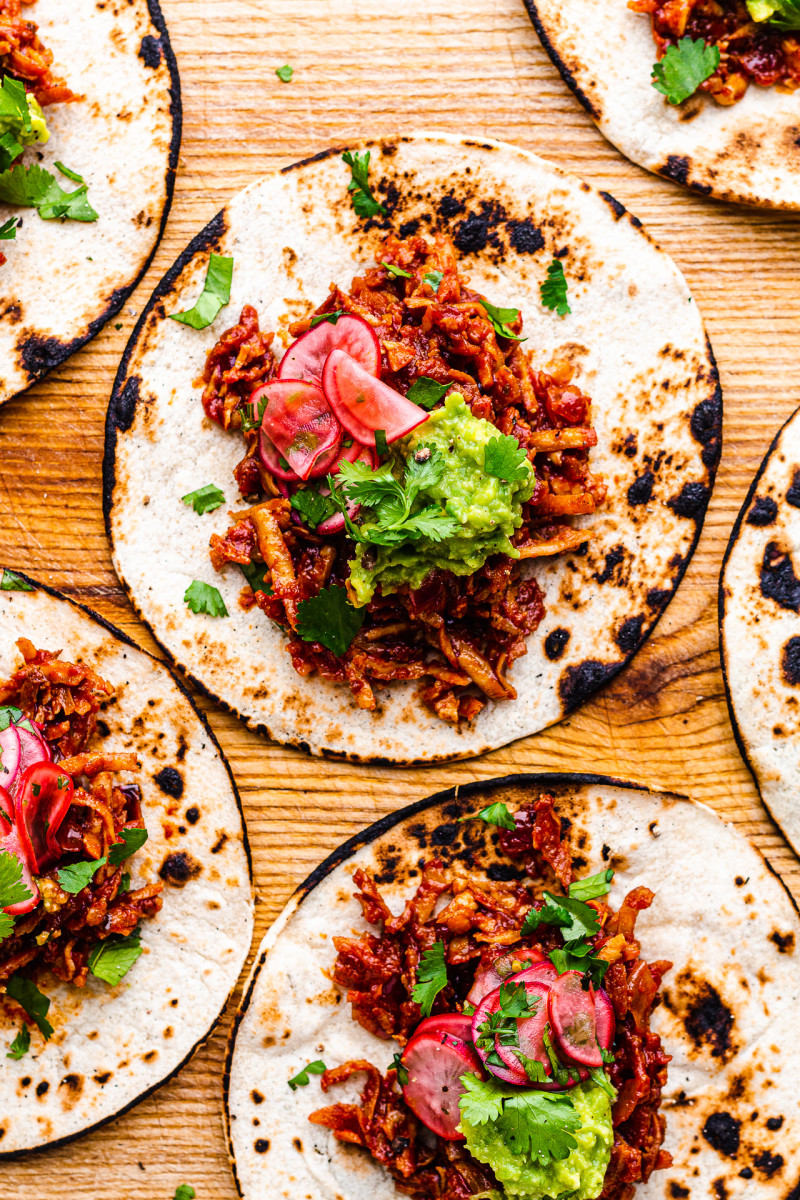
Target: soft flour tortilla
{"x":112,"y":1046}
{"x":634,"y":335}
{"x":729,"y":1017}
{"x":759,"y":614}
{"x":65,"y":279}
{"x":749,"y":152}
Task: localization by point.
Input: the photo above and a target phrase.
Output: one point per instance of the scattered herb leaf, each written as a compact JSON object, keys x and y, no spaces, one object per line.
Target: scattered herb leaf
{"x":74,"y":878}
{"x":494,"y":814}
{"x":330,"y":619}
{"x":8,"y":230}
{"x":683,"y":68}
{"x":331,"y":318}
{"x":21,"y":1044}
{"x":431,"y":978}
{"x":285,"y":73}
{"x":364,"y":202}
{"x":397,"y":272}
{"x":554,"y":289}
{"x":34,"y":1002}
{"x":12,"y":889}
{"x":392,"y":501}
{"x":506,"y":459}
{"x":132,"y":840}
{"x":301,"y":1078}
{"x":313,"y":507}
{"x":111,"y":959}
{"x":184,"y":1191}
{"x":426,"y":391}
{"x":215,"y":295}
{"x":256,"y":576}
{"x":533,"y":1124}
{"x":203,"y":598}
{"x":381,"y":444}
{"x":402,"y":1073}
{"x":14,"y":583}
{"x":205,"y":499}
{"x":433,"y":280}
{"x":34,"y":187}
{"x":501,"y":319}
{"x":592,"y":886}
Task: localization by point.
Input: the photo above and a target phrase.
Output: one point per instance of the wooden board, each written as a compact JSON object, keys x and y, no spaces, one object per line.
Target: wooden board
{"x":375,"y":67}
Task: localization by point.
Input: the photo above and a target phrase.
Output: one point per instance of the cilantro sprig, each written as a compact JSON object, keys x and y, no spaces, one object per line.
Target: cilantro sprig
{"x":110,"y":960}
{"x":533,"y":1124}
{"x":12,"y":889}
{"x":34,"y":187}
{"x":12,"y":582}
{"x":433,"y":280}
{"x":579,"y":924}
{"x":215,"y":295}
{"x":313,"y":507}
{"x":132,"y":840}
{"x":431,"y":978}
{"x":506,"y":459}
{"x":501,"y":1028}
{"x":593,"y":886}
{"x":683,"y":68}
{"x":330,"y":619}
{"x":426,"y":391}
{"x":364,"y":202}
{"x":501,"y":319}
{"x":205,"y":499}
{"x":494,"y":814}
{"x":553,"y":290}
{"x":391,"y":500}
{"x":301,"y":1078}
{"x":75,"y":877}
{"x":184,"y":1191}
{"x":20,"y":1045}
{"x":203,"y":598}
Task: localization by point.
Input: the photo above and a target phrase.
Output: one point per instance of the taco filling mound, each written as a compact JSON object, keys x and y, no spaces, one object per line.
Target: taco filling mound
{"x":68,"y":827}
{"x":402,"y":461}
{"x":528,"y":1066}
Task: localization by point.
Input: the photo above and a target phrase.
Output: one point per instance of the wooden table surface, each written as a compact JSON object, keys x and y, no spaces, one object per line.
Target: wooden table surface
{"x":375,"y":67}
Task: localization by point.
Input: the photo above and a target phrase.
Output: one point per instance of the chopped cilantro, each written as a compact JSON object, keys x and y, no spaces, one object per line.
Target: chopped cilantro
{"x":501,"y":1026}
{"x":14,"y":583}
{"x":506,"y":459}
{"x":76,"y":876}
{"x":433,"y":280}
{"x":554,"y":289}
{"x":34,"y":187}
{"x":34,"y":1002}
{"x":205,"y":499}
{"x":21,"y":1044}
{"x":132,"y":840}
{"x":73,"y":175}
{"x":285,"y":73}
{"x":402,"y":1073}
{"x":392,"y":501}
{"x":8,"y":230}
{"x":301,"y":1078}
{"x":683,"y":68}
{"x":431,"y":978}
{"x":184,"y":1191}
{"x":397,"y":272}
{"x":592,"y":886}
{"x":330,"y":619}
{"x":364,"y":202}
{"x":110,"y":960}
{"x":562,"y":1074}
{"x":331,"y":318}
{"x":501,"y":319}
{"x":10,"y":150}
{"x":580,"y":958}
{"x":312,"y":506}
{"x":426,"y":391}
{"x":203,"y":598}
{"x":12,"y":889}
{"x":381,"y":444}
{"x":9,"y":716}
{"x":598,"y":1076}
{"x":494,"y":814}
{"x":215,"y":295}
{"x":533,"y":1124}
{"x":575,"y":919}
{"x":125,"y":882}
{"x":256,"y":576}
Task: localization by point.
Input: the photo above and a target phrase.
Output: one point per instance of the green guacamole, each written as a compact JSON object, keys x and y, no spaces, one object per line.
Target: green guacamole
{"x":40,"y":132}
{"x":580,"y":1176}
{"x":487,"y":509}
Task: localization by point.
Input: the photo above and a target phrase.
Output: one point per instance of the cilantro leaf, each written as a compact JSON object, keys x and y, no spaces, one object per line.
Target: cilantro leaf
{"x":8,"y":230}
{"x":34,"y":1002}
{"x":21,"y":1044}
{"x":12,"y":889}
{"x":15,"y":112}
{"x":381,"y":444}
{"x":14,"y":583}
{"x":256,"y":576}
{"x":184,"y":1191}
{"x":570,"y":960}
{"x":74,"y":878}
{"x":370,"y":487}
{"x":301,"y":1078}
{"x":554,"y":289}
{"x":215,"y":295}
{"x":364,"y":202}
{"x":431,"y":523}
{"x":203,"y":598}
{"x":494,"y":814}
{"x":124,"y":882}
{"x":431,"y":978}
{"x":482,"y":1100}
{"x":533,"y":1124}
{"x":285,"y":73}
{"x":132,"y":840}
{"x":330,"y":619}
{"x":10,"y":150}
{"x":592,"y":886}
{"x":402,"y":1073}
{"x":396,"y":272}
{"x":311,"y":505}
{"x":111,"y":959}
{"x":683,"y":68}
{"x":392,"y":501}
{"x":34,"y":187}
{"x":426,"y":392}
{"x":9,"y":716}
{"x":433,"y":280}
{"x":501,"y":318}
{"x":576,"y":919}
{"x":504,"y":458}
{"x":205,"y":499}
{"x":331,"y":318}
{"x":598,"y":1076}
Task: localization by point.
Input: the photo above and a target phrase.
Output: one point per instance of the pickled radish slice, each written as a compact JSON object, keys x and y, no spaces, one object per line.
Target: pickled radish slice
{"x":41,"y":801}
{"x":605,"y":1018}
{"x":33,"y":749}
{"x":435,"y":1064}
{"x":542,"y":972}
{"x":530,"y":1030}
{"x":9,"y":841}
{"x":298,"y":421}
{"x":456,"y":1024}
{"x":10,"y":754}
{"x":363,"y":404}
{"x":305,"y":358}
{"x":572,"y":1017}
{"x":271,"y":459}
{"x":488,"y":978}
{"x":509,"y":1073}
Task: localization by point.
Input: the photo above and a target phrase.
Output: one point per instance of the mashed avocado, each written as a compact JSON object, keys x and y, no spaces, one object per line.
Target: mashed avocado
{"x":487,"y":509}
{"x":580,"y":1176}
{"x":39,"y":133}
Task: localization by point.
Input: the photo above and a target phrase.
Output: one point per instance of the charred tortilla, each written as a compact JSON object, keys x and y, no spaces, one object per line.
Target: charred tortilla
{"x":747,"y":153}
{"x":639,"y":349}
{"x":759,"y":610}
{"x":64,"y":279}
{"x":727,"y":1016}
{"x":111,"y":1046}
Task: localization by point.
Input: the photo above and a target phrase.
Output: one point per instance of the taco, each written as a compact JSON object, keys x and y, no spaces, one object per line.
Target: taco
{"x":537,"y":991}
{"x":759,"y":603}
{"x":125,"y":895}
{"x":702,"y":92}
{"x":90,"y":125}
{"x":437,"y":475}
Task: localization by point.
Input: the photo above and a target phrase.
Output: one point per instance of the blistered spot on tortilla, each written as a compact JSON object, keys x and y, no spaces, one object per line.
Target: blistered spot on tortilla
{"x":298,"y":1145}
{"x":705,"y":424}
{"x":707,"y":1019}
{"x":102,"y":1077}
{"x":784,"y":941}
{"x":472,"y":234}
{"x":193,"y":814}
{"x":256,"y":1097}
{"x":723,"y":1132}
{"x":657,"y":597}
{"x":525,"y":236}
{"x":769,"y":1164}
{"x":555,"y":643}
{"x":150,"y":1056}
{"x":261,"y":1145}
{"x":222,"y":838}
{"x":774,"y":1123}
{"x":177,"y":869}
{"x":777,"y":579}
{"x":123,"y":406}
{"x":42,"y":1088}
{"x":613,"y":559}
{"x":676,"y":167}
{"x":444,"y":835}
{"x":617,"y":208}
{"x":790,"y":662}
{"x":763,"y":512}
{"x":505,"y":872}
{"x":691,"y":500}
{"x":629,"y":634}
{"x":677,"y":1191}
{"x":150,"y":51}
{"x":170,"y":781}
{"x":70,"y":1090}
{"x":641,"y":490}
{"x":793,"y":492}
{"x":577,"y":684}
{"x":419,"y":833}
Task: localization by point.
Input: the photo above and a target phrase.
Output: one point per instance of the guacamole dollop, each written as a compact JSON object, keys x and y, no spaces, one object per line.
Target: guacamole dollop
{"x":39,"y":131}
{"x":487,"y":509}
{"x":579,"y":1176}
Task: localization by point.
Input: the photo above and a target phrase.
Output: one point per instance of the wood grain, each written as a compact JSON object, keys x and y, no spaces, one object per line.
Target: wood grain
{"x":374,"y":67}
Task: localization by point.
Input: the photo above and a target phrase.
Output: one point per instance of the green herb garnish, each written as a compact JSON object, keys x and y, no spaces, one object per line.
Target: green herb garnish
{"x":12,"y":889}
{"x":433,"y":280}
{"x":111,"y":959}
{"x":331,"y":318}
{"x":34,"y":1002}
{"x":132,"y":840}
{"x":431,"y":978}
{"x":397,"y":272}
{"x":13,"y":583}
{"x":203,"y":598}
{"x":554,"y":289}
{"x":501,"y":319}
{"x":8,"y":230}
{"x":184,"y":1191}
{"x":426,"y":392}
{"x":76,"y":876}
{"x":34,"y":187}
{"x":256,"y":576}
{"x":364,"y":202}
{"x":592,"y":886}
{"x":391,"y":502}
{"x":330,"y":619}
{"x":506,"y":459}
{"x":301,"y":1078}
{"x":533,"y":1124}
{"x":20,"y":1045}
{"x":285,"y":73}
{"x":683,"y":68}
{"x":402,"y":1073}
{"x":215,"y":295}
{"x":205,"y":499}
{"x":494,"y":814}
{"x":313,"y":507}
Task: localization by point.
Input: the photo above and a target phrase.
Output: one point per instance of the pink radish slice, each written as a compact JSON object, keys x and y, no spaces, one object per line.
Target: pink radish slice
{"x":271,"y":459}
{"x":33,"y":749}
{"x":541,"y":972}
{"x":363,"y":404}
{"x":10,"y":754}
{"x":605,"y":1018}
{"x":456,"y":1024}
{"x":305,"y":358}
{"x":435,"y":1064}
{"x":297,"y":420}
{"x":573,"y":1021}
{"x":9,"y":841}
{"x":530,"y":1030}
{"x":512,"y":1073}
{"x":488,"y":978}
